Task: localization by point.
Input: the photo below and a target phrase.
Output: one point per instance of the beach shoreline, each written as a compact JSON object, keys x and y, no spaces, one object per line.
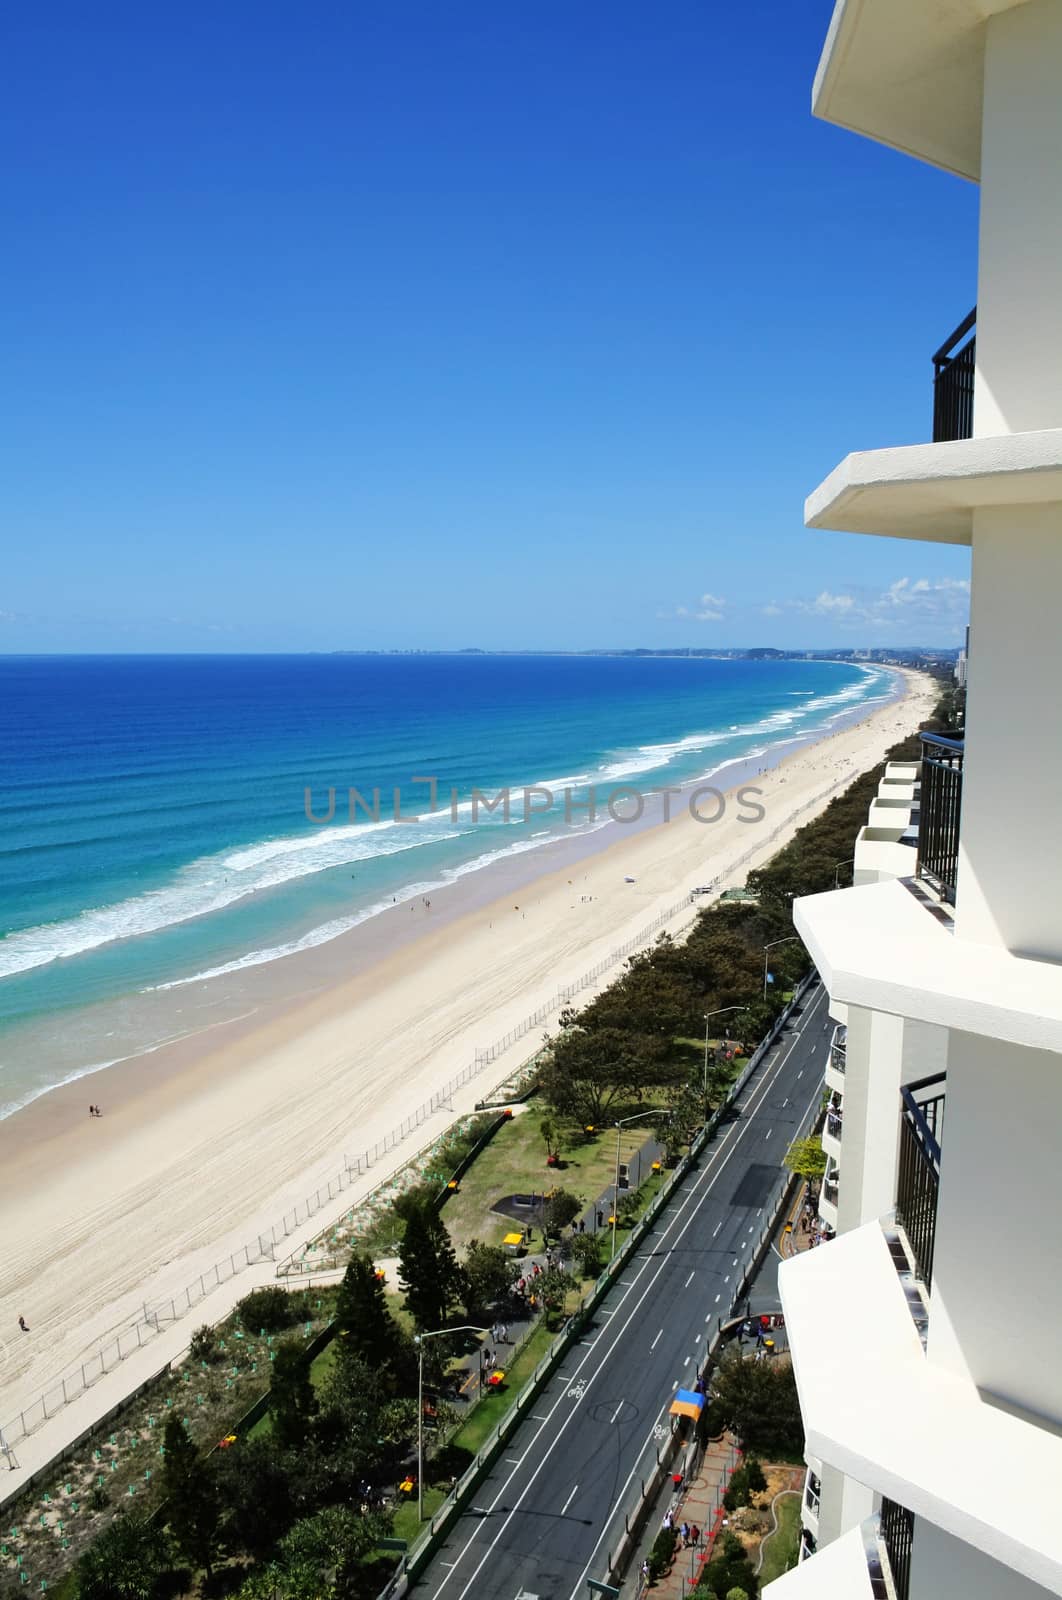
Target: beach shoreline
{"x":210,"y":1139}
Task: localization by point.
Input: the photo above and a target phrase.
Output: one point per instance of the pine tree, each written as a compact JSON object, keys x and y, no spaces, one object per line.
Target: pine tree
{"x":294,"y":1402}
{"x":192,"y":1508}
{"x":428,"y":1269}
{"x":365,"y":1327}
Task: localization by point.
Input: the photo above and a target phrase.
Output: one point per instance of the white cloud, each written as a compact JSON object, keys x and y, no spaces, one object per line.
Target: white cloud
{"x":713,"y":601}
{"x":941,"y":603}
{"x":709,"y":616}
{"x":771,"y":610}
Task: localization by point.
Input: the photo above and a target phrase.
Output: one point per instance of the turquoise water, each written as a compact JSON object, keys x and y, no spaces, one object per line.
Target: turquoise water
{"x":153,"y":811}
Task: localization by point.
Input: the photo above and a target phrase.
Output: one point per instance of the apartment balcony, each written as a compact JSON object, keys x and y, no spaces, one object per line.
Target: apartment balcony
{"x":828,"y":1198}
{"x":939,"y":811}
{"x":953,"y":383}
{"x":809,"y":1514}
{"x":919,"y":1434}
{"x":918,"y":1180}
{"x":831,"y":1136}
{"x":835,"y":1062}
{"x":896,"y":1533}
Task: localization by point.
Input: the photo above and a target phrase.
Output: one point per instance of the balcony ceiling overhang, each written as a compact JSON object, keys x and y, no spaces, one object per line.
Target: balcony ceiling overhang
{"x":909,"y":74}
{"x":837,"y":1572}
{"x":930,"y":491}
{"x":877,"y":946}
{"x":879,"y":1410}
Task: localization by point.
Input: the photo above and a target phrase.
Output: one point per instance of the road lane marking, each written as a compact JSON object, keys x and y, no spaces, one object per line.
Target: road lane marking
{"x":571,"y":1497}
{"x":717,"y":1300}
{"x":690,"y":1279}
{"x":613,"y":1417}
{"x":695,"y":1197}
{"x":715,"y":1230}
{"x":686,"y":1362}
{"x":767,"y":1135}
{"x":656,"y":1341}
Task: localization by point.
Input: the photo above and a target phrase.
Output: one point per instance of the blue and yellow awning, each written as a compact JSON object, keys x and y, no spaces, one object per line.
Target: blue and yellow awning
{"x":687,"y":1404}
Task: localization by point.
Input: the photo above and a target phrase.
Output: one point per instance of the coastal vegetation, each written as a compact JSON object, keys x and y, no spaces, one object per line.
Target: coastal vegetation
{"x":184,"y":1498}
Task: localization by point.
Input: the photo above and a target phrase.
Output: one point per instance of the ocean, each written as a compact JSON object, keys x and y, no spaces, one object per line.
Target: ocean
{"x":153,"y":810}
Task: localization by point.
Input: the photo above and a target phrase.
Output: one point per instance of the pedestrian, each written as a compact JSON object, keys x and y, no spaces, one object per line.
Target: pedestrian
{"x":22,"y":1324}
{"x":600,"y":1219}
{"x":669,"y":1521}
{"x":503,"y":1333}
{"x":645,"y":1570}
{"x":695,"y":1536}
{"x":684,"y":1534}
{"x":582,"y":1225}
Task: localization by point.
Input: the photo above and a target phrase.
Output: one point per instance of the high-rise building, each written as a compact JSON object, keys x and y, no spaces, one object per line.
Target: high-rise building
{"x":925,"y":1335}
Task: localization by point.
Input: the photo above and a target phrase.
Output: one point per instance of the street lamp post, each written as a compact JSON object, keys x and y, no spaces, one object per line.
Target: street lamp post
{"x":418,"y":1340}
{"x":793,"y":938}
{"x":847,"y":862}
{"x":708,"y":1017}
{"x":624,"y":1122}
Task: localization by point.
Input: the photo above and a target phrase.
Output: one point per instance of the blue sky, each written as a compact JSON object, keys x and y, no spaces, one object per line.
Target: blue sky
{"x":372,"y":325}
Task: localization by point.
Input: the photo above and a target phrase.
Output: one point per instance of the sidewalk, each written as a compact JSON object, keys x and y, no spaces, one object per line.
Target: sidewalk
{"x":699,"y":1503}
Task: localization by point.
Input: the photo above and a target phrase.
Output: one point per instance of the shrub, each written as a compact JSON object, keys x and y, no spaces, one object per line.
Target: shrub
{"x":562,"y":1207}
{"x":663,"y":1552}
{"x":586,"y":1254}
{"x":754,"y":1473}
{"x":737,"y":1490}
{"x":203,"y":1345}
{"x":269,"y":1310}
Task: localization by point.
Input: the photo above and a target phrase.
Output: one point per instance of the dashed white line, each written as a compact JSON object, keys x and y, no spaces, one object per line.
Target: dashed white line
{"x":570,"y":1498}
{"x":656,"y":1341}
{"x":715,"y":1230}
{"x":690,"y":1279}
{"x":613,"y":1417}
{"x":686,"y":1362}
{"x":717,"y":1300}
{"x":767,"y":1135}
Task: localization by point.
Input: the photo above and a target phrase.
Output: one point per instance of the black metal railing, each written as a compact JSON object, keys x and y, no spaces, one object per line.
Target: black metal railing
{"x":833,"y":1124}
{"x":953,"y":383}
{"x":918,"y":1179}
{"x":896,"y":1525}
{"x":939,"y":807}
{"x":839,"y":1048}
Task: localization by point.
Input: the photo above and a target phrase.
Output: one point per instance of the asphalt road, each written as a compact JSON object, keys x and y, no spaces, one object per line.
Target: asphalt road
{"x":536,"y":1529}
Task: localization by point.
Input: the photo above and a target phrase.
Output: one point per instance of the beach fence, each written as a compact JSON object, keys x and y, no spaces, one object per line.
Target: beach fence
{"x":263,"y":1247}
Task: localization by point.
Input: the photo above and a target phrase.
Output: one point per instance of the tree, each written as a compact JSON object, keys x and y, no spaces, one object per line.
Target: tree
{"x":193,"y":1509}
{"x":807,"y":1159}
{"x":758,"y":1400}
{"x":588,"y":1069}
{"x":124,"y":1562}
{"x":489,"y":1275}
{"x":562,"y":1207}
{"x":548,"y":1129}
{"x":428,"y":1269}
{"x":331,"y":1543}
{"x":729,"y":1570}
{"x":551,"y":1289}
{"x":255,"y":1494}
{"x":293,"y":1400}
{"x":586,"y":1254}
{"x":365,"y":1327}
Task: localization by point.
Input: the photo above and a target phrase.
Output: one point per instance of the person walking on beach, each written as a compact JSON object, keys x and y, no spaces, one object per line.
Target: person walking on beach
{"x":22,"y":1324}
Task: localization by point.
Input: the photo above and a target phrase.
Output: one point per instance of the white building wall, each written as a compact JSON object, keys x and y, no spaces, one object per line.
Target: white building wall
{"x":944,"y":1568}
{"x":1019,"y":296}
{"x":997,"y":1271}
{"x":843,"y":1504}
{"x":1010,"y":846}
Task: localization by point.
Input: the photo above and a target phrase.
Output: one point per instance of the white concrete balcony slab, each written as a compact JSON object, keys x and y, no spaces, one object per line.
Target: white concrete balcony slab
{"x":903,"y":771}
{"x":877,"y":1409}
{"x":828,"y":1209}
{"x":881,"y":853}
{"x":895,"y":814}
{"x":878,"y":946}
{"x":930,"y":491}
{"x":839,"y":1572}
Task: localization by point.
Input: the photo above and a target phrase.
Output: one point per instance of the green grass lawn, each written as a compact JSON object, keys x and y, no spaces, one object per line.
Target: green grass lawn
{"x":780,"y":1548}
{"x":407,"y":1526}
{"x":515,"y":1162}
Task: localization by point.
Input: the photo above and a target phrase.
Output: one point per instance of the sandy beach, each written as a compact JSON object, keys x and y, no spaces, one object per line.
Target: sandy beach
{"x":209,"y":1142}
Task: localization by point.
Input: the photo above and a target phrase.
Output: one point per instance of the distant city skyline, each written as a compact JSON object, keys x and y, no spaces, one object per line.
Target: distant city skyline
{"x":414,"y":331}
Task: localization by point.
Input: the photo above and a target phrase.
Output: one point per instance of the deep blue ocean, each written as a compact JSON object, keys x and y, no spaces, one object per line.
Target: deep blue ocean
{"x":153,"y":822}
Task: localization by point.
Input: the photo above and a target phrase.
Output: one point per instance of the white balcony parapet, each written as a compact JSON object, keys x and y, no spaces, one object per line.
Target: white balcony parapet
{"x":839,"y":1572}
{"x":930,"y":491}
{"x":877,"y":946}
{"x":877,"y":1409}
